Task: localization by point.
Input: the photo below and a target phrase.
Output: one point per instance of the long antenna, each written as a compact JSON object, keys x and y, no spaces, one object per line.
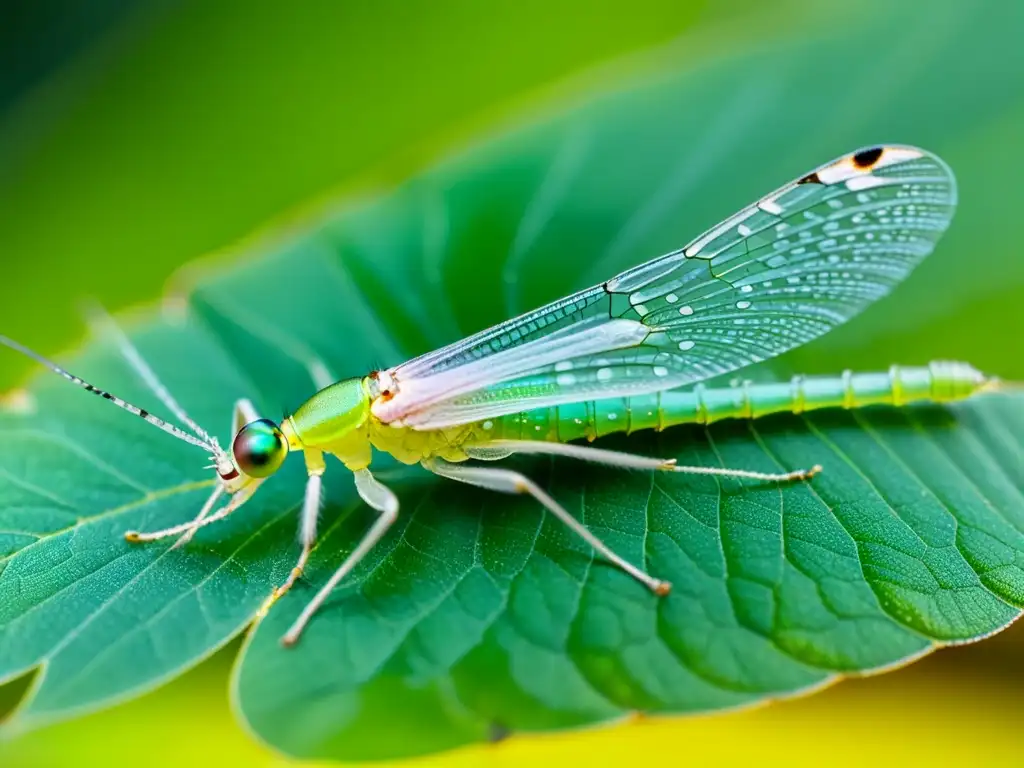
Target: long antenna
{"x":98,"y":316}
{"x":141,"y":413}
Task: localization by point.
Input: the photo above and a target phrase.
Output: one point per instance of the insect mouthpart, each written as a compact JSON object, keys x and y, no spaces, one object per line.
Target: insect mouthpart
{"x":226,"y":471}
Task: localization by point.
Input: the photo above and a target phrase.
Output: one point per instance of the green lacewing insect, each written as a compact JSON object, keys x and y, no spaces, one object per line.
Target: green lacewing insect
{"x":624,"y":355}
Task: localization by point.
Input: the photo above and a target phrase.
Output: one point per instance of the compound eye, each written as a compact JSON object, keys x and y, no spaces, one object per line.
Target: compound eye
{"x":259,"y":448}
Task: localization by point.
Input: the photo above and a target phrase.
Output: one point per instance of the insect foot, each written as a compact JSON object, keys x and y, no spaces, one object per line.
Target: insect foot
{"x":781,"y":477}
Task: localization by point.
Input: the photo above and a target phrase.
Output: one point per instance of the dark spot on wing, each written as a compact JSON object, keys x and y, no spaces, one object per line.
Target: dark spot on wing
{"x":867,"y":157}
{"x":810,"y":178}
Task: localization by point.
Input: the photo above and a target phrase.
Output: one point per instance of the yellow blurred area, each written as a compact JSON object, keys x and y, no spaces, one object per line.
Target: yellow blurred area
{"x":957,"y":706}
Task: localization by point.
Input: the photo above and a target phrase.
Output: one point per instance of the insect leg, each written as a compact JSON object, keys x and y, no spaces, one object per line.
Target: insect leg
{"x":315,"y":468}
{"x":626,"y":460}
{"x":203,"y":513}
{"x":384,"y":501}
{"x":237,"y":500}
{"x":507,"y":481}
{"x":243,"y":413}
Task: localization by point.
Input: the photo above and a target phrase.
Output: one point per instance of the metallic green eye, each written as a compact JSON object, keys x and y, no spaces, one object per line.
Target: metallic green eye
{"x":259,"y":448}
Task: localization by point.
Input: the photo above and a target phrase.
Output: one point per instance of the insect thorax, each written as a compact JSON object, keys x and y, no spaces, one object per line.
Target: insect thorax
{"x":335,"y":420}
{"x":410,"y":446}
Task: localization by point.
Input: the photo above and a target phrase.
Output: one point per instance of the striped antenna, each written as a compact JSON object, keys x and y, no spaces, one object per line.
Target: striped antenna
{"x":143,"y":414}
{"x":99,"y":317}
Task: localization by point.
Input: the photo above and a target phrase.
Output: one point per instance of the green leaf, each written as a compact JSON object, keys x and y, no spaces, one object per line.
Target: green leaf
{"x":478,"y":615}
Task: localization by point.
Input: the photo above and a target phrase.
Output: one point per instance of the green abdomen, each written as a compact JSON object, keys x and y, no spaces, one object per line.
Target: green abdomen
{"x":938,"y":382}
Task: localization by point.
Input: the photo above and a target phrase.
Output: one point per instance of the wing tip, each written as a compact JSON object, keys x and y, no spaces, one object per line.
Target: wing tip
{"x":864,"y":162}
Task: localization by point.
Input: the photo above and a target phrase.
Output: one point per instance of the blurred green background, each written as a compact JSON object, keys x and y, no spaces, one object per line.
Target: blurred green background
{"x":136,"y":136}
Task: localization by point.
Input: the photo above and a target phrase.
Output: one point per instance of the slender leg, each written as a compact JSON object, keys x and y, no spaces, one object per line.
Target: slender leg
{"x":625,"y":460}
{"x":384,"y":501}
{"x":315,"y":468}
{"x":243,"y":413}
{"x":203,"y":513}
{"x":192,"y":526}
{"x":507,"y":481}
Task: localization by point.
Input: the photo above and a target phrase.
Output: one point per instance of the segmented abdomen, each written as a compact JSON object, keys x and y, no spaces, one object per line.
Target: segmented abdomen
{"x":938,"y":382}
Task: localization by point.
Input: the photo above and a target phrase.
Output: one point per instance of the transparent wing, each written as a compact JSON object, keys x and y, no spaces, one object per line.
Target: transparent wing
{"x":774,"y":276}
